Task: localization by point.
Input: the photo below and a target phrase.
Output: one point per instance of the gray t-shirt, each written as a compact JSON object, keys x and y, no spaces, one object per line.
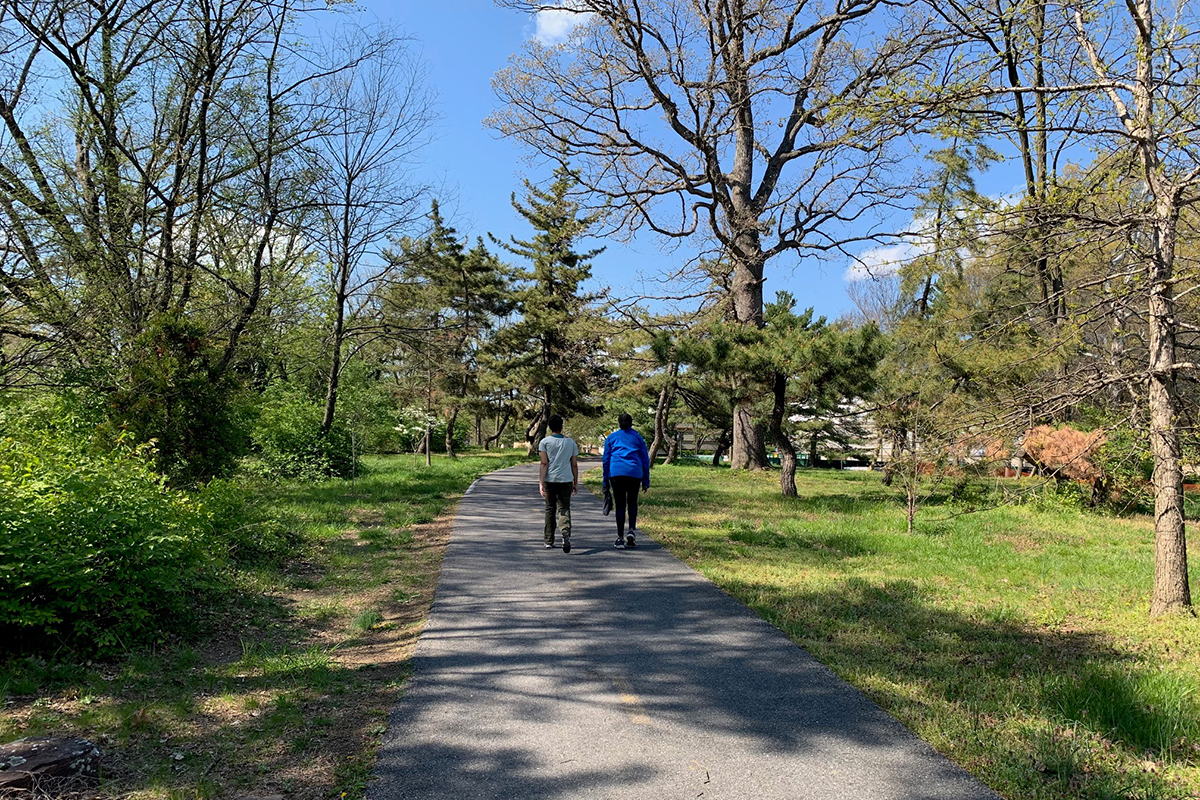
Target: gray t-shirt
{"x":559,"y":450}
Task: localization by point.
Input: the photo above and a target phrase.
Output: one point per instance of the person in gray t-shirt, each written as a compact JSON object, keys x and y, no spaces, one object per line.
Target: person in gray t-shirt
{"x":558,"y":479}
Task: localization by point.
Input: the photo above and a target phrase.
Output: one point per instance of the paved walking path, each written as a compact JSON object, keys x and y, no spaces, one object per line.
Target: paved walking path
{"x":623,"y":674}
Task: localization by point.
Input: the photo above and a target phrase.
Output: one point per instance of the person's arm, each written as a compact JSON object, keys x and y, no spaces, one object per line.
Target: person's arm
{"x":574,"y":475}
{"x":645,"y":453}
{"x":607,"y":458}
{"x":542,"y":474}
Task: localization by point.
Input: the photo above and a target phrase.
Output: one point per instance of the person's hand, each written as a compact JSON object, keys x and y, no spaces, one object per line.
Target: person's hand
{"x":645,"y":489}
{"x":541,"y":490}
{"x":575,"y":488}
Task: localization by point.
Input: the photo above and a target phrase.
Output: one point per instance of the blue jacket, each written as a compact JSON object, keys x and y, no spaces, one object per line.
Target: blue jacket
{"x":625,"y":454}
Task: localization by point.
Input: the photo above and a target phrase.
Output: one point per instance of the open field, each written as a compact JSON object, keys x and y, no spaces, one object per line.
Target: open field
{"x":290,"y":692}
{"x":1015,"y":641}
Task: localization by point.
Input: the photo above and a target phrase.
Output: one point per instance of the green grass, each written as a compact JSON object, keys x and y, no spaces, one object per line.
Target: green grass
{"x":1014,"y":640}
{"x":289,"y":692}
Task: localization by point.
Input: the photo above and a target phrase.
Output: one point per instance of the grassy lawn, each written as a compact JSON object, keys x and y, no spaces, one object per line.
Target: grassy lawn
{"x":290,"y":692}
{"x":1016,"y":641}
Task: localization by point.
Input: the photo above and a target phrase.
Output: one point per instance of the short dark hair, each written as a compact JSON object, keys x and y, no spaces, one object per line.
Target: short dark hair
{"x":625,"y":421}
{"x":555,"y":423}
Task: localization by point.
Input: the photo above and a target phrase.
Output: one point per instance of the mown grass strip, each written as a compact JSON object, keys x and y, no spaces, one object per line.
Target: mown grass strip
{"x":1015,"y":640}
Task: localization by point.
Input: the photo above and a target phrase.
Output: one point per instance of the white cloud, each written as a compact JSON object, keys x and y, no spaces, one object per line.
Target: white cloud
{"x":879,"y":262}
{"x":553,"y":26}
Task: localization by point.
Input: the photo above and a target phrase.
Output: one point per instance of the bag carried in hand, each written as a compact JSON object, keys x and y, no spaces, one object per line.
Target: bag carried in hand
{"x":607,"y":501}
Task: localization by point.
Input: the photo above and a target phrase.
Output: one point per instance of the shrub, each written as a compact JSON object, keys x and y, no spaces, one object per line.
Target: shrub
{"x":169,"y":396}
{"x":1064,"y":452}
{"x":1127,"y":464}
{"x":96,"y":551}
{"x":288,"y":437}
{"x":242,"y":530}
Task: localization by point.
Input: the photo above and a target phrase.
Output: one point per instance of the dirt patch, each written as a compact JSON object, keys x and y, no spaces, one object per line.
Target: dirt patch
{"x":365,"y":516}
{"x":1022,"y":543}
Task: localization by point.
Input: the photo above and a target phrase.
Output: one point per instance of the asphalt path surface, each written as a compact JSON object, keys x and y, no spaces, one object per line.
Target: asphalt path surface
{"x":609,"y":673}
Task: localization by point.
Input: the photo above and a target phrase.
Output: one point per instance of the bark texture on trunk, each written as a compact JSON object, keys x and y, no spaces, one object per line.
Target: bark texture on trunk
{"x":450,"y":433}
{"x":749,"y":451}
{"x":662,"y":412}
{"x":659,"y":413}
{"x":536,"y":431}
{"x":672,"y":450}
{"x":787,"y":453}
{"x":501,"y":424}
{"x":722,"y":446}
{"x":1171,"y":589}
{"x":335,"y":375}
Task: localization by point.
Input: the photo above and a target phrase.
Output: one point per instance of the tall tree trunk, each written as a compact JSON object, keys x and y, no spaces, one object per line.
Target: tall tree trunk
{"x":428,"y":445}
{"x":749,"y":450}
{"x":659,"y":409}
{"x":1171,"y":589}
{"x":672,"y":450}
{"x":787,"y":453}
{"x":479,"y":430}
{"x":450,"y":433}
{"x":662,"y":412}
{"x":537,"y":430}
{"x":335,"y":374}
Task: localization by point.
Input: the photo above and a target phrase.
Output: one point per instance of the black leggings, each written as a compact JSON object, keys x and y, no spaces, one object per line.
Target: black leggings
{"x":625,"y":492}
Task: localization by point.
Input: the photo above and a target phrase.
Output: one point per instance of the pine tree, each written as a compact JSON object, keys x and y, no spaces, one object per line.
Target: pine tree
{"x":549,"y":353}
{"x":456,"y":296}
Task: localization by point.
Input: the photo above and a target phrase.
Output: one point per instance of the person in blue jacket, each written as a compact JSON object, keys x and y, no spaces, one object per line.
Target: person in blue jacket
{"x":626,"y":468}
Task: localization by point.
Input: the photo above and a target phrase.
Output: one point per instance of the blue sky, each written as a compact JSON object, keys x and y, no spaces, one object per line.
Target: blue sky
{"x":464,"y":42}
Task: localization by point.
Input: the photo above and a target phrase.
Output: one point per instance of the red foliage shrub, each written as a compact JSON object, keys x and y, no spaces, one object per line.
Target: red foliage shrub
{"x":1064,"y":451}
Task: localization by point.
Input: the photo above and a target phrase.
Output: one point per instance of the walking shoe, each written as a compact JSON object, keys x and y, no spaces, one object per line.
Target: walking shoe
{"x":629,"y":540}
{"x":548,"y":545}
{"x":619,"y":544}
{"x":566,"y":545}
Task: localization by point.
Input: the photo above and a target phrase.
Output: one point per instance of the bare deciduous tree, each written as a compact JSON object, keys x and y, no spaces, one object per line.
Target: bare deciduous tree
{"x":377,"y":115}
{"x":757,"y":126}
{"x":1144,"y":58}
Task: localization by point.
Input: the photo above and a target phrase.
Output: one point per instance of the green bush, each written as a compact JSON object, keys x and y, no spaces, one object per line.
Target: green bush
{"x":96,"y":551}
{"x":170,"y":395}
{"x":242,"y":530}
{"x":1125,"y":460}
{"x":287,"y":435}
{"x":67,"y":415}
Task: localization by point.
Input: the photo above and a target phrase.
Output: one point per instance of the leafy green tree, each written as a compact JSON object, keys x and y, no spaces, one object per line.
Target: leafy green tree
{"x":816,"y":368}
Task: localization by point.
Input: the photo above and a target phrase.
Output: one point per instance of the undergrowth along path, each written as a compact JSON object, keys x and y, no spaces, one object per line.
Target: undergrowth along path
{"x":623,"y":674}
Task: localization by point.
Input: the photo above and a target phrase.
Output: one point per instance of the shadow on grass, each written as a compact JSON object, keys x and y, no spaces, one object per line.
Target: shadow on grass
{"x":535,"y":670}
{"x":259,"y":703}
{"x":1045,"y":710}
{"x":245,"y":713}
